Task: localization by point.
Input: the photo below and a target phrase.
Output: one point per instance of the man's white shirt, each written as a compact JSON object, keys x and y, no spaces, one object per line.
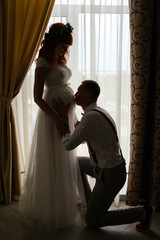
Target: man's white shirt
{"x":98,"y":131}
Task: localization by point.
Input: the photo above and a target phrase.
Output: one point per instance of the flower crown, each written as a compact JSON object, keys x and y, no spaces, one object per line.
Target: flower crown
{"x":61,"y":31}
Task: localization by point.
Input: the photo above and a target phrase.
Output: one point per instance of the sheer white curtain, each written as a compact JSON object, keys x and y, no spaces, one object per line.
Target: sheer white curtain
{"x":100,"y":52}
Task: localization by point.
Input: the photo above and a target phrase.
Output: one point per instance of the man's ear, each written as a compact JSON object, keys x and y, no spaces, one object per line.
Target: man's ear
{"x":89,"y":96}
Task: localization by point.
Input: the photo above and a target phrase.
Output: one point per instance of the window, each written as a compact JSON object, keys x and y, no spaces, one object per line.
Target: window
{"x":100,"y":52}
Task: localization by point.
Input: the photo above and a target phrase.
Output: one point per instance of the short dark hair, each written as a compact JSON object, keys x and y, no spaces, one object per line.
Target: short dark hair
{"x":92,"y":87}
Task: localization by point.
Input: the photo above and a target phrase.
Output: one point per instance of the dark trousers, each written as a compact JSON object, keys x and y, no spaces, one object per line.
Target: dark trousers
{"x":108,"y":184}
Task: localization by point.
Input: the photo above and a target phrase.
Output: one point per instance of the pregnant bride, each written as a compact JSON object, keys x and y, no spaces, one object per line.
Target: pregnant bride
{"x":52,"y":184}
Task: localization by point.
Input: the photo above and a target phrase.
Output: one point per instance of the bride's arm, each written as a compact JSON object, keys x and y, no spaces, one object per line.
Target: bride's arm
{"x":40,"y":75}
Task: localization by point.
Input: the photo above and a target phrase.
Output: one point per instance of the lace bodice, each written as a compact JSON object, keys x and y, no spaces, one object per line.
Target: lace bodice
{"x":58,"y":75}
{"x":56,"y":81}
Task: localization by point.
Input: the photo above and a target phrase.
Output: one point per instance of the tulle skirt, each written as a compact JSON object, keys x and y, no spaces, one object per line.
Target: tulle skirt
{"x":52,"y":182}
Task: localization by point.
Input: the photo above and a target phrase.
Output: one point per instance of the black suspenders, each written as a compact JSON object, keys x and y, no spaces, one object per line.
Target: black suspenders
{"x":113,"y":127}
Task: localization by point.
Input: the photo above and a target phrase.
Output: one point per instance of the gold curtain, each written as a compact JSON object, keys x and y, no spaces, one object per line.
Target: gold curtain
{"x":22,"y":25}
{"x":144,"y":168}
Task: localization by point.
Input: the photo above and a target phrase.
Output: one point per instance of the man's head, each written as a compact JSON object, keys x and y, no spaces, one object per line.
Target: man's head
{"x":87,"y":93}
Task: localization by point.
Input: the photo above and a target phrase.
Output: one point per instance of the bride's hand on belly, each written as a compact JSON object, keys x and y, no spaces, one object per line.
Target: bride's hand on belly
{"x":61,"y":108}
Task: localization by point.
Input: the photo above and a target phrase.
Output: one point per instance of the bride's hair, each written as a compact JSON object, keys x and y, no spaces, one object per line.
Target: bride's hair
{"x":56,"y":42}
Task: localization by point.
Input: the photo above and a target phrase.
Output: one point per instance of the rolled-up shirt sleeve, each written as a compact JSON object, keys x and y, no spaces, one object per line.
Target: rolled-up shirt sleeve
{"x":82,"y":132}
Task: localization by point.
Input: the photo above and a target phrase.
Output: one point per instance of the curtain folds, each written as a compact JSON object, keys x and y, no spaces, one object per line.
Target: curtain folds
{"x":144,"y":168}
{"x":22,"y":25}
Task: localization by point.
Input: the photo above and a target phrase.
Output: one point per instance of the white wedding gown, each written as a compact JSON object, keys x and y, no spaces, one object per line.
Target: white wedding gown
{"x":52,"y":183}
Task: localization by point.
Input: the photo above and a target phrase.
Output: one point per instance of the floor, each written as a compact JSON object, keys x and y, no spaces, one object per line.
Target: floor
{"x":13,"y":226}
